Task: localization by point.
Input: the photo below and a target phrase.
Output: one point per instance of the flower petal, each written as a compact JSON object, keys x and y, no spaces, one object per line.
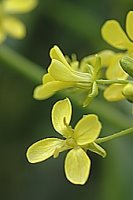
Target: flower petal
{"x":55,"y":53}
{"x":129,"y":24}
{"x":45,"y":91}
{"x":47,"y":78}
{"x":114,"y":92}
{"x":61,"y":115}
{"x":114,"y":35}
{"x":77,"y":166}
{"x":87,"y":129}
{"x":61,"y":72}
{"x":115,"y":70}
{"x":43,"y":149}
{"x":14,"y":27}
{"x":19,"y":6}
{"x":94,"y":147}
{"x":105,"y":55}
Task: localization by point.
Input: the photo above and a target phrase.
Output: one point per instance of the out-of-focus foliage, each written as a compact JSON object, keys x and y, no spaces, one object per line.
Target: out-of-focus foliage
{"x":74,"y":25}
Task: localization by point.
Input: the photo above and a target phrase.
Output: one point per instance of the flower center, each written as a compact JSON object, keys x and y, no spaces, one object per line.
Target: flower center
{"x":71,"y":142}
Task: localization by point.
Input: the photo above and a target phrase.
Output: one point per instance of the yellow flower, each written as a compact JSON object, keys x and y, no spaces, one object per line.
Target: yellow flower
{"x":77,"y":140}
{"x":10,"y":25}
{"x":62,"y":75}
{"x":115,"y":36}
{"x":115,"y":72}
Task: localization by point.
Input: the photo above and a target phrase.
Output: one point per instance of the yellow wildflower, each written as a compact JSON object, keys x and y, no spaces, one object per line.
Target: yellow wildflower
{"x":62,"y":75}
{"x":77,"y":140}
{"x":115,"y":36}
{"x":10,"y":25}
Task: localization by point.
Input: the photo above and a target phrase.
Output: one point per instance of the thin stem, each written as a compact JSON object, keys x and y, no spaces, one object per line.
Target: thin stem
{"x":108,"y":82}
{"x":20,"y":64}
{"x":115,"y":135}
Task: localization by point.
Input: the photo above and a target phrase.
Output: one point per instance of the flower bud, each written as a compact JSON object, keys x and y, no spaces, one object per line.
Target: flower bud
{"x":128,"y":92}
{"x":127,"y":64}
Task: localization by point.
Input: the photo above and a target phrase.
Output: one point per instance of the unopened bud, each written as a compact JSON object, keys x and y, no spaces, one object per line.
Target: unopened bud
{"x":127,"y":64}
{"x":128,"y":92}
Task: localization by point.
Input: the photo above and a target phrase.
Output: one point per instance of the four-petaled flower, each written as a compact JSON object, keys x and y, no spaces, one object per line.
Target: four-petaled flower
{"x":116,"y":37}
{"x":77,"y":141}
{"x":10,"y":25}
{"x":61,"y":75}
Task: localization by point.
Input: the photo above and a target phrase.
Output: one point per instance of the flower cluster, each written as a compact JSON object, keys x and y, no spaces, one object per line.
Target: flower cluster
{"x":107,"y":70}
{"x":63,"y":75}
{"x":9,"y":24}
{"x":116,"y":37}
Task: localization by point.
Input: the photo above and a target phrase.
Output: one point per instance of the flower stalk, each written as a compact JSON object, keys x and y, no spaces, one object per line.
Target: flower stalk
{"x":20,"y":64}
{"x":114,"y":136}
{"x":108,"y":82}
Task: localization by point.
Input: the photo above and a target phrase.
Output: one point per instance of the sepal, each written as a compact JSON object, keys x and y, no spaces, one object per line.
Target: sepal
{"x":97,"y":149}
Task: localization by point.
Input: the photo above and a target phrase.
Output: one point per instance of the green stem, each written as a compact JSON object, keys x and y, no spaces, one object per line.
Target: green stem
{"x":108,"y":82}
{"x":115,"y":135}
{"x":20,"y":64}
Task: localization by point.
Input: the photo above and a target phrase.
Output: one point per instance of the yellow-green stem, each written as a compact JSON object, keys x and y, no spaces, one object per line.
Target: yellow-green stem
{"x":108,"y":82}
{"x":20,"y":64}
{"x":114,"y":136}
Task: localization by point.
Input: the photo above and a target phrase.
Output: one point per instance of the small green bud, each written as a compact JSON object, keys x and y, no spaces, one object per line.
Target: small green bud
{"x":128,"y":92}
{"x":127,"y":64}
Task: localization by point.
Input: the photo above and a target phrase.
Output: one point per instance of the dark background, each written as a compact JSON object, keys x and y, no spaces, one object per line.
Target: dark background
{"x":74,"y":25}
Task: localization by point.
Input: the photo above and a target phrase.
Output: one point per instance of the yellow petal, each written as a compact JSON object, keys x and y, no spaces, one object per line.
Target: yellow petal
{"x":77,"y":166}
{"x":14,"y":27}
{"x":115,"y":71}
{"x":114,"y":92}
{"x":19,"y":6}
{"x":114,"y":35}
{"x":61,"y":115}
{"x":87,"y":129}
{"x":47,"y":78}
{"x":55,"y":53}
{"x":61,"y":72}
{"x":129,"y":25}
{"x":43,"y":149}
{"x":45,"y":91}
{"x":75,"y":65}
{"x":2,"y":36}
{"x":105,"y":55}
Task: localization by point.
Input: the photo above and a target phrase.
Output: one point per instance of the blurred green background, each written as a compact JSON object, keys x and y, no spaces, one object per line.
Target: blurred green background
{"x":74,"y":25}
